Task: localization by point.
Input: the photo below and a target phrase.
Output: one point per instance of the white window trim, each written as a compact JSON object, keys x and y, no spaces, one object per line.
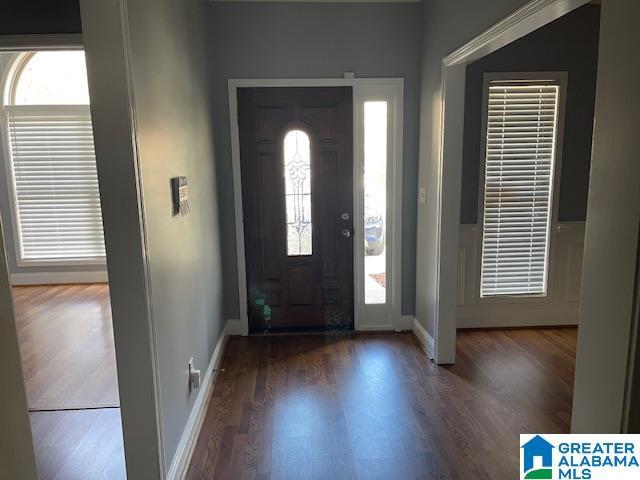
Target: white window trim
{"x":9,"y":82}
{"x":559,"y":78}
{"x":379,"y":317}
{"x":383,"y":316}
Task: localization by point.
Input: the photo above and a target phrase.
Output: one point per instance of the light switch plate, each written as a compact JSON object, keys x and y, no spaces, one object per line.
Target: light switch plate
{"x":194,"y":376}
{"x":422,"y":195}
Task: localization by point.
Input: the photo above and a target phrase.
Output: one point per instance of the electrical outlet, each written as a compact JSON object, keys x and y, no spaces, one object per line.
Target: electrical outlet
{"x":194,"y":376}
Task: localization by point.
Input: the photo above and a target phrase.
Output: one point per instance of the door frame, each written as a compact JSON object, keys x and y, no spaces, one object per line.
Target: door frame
{"x":15,"y":411}
{"x":135,"y":348}
{"x":366,"y":317}
{"x":447,"y":150}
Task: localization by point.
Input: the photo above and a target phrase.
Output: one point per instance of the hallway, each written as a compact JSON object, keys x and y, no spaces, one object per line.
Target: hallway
{"x":373,"y":406}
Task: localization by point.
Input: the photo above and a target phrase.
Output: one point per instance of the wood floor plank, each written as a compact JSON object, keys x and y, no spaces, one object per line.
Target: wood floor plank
{"x":66,"y":343}
{"x":68,"y":358}
{"x":79,"y":444}
{"x":371,"y":406}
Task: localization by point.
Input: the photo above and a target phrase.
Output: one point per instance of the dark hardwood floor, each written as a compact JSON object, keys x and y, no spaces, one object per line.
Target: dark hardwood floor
{"x":68,"y":359}
{"x":79,"y":444}
{"x":303,"y":406}
{"x":372,"y":406}
{"x":66,"y":343}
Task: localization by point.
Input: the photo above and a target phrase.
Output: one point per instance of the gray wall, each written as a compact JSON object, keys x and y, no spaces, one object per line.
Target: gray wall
{"x":21,"y":17}
{"x":171,"y":88}
{"x":613,"y":222}
{"x":633,"y":399}
{"x":286,"y":40}
{"x":568,"y":44}
{"x":7,"y":214}
{"x":150,"y":91}
{"x":447,"y":26}
{"x":17,"y":459}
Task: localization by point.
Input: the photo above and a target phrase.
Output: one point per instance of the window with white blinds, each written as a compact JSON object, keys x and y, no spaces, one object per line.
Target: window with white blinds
{"x":522,"y":122}
{"x":55,"y":182}
{"x":51,"y":159}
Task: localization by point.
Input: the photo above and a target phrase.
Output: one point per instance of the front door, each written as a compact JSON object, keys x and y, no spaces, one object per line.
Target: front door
{"x":296,"y":150}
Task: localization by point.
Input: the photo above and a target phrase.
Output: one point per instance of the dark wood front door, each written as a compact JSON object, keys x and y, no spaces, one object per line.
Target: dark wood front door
{"x":296,"y":149}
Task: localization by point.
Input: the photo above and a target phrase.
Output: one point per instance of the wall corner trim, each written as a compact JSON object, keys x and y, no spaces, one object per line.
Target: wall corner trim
{"x":406,"y":323}
{"x":233,"y":327}
{"x":426,"y":340}
{"x":180,"y":463}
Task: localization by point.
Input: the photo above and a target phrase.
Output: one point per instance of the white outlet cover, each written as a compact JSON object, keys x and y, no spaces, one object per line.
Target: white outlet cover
{"x":422,"y":195}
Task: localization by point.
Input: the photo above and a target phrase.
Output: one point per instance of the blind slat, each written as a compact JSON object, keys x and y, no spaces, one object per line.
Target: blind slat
{"x":56,"y":183}
{"x":519,"y":165}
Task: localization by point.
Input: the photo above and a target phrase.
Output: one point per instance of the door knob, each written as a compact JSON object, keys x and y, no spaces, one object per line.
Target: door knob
{"x":346,"y":233}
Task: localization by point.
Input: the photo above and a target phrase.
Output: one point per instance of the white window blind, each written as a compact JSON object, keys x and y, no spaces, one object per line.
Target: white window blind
{"x":55,"y":183}
{"x":521,"y":133}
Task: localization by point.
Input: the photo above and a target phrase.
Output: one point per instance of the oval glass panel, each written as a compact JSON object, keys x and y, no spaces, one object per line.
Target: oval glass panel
{"x":297,"y":181}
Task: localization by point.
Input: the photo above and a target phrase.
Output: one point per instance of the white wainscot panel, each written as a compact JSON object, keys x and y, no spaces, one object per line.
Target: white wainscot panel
{"x":559,"y":307}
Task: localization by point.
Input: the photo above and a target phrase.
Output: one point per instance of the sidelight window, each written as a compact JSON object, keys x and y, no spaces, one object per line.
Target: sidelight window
{"x":297,"y":181}
{"x":375,"y":201}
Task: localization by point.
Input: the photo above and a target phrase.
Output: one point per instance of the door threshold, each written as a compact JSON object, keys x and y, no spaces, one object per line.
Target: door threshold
{"x":302,"y":331}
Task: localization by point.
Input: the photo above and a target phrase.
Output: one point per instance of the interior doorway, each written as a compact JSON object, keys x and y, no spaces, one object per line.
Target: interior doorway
{"x":447,"y":148}
{"x":54,"y":247}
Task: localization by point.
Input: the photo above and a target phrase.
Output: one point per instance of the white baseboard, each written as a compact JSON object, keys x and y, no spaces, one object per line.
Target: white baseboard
{"x":180,"y":463}
{"x":426,"y":340}
{"x":406,"y":322}
{"x":54,"y":278}
{"x":375,"y":328}
{"x":234,"y":327}
{"x":517,"y":316}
